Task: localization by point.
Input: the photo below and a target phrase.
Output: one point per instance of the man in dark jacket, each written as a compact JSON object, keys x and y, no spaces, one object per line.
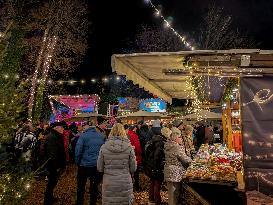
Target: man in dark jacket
{"x":154,"y":162}
{"x":86,"y":156}
{"x":55,"y":154}
{"x":200,"y":135}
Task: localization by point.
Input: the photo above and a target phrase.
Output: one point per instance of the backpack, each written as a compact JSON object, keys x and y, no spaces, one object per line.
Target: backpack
{"x":154,"y":159}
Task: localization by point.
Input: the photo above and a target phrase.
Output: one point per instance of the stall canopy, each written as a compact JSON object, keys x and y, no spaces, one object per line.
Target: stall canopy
{"x":83,"y":116}
{"x":204,"y":114}
{"x":165,"y":74}
{"x":142,"y":113}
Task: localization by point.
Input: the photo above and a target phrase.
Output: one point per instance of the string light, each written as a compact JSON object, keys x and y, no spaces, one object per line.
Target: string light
{"x":35,"y":76}
{"x":167,"y":25}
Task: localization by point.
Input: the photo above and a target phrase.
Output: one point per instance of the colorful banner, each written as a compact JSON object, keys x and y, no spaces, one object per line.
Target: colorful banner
{"x":257,"y":127}
{"x":153,"y":105}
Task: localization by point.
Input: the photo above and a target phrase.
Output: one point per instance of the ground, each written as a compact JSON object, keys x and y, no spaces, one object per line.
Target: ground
{"x":66,"y":190}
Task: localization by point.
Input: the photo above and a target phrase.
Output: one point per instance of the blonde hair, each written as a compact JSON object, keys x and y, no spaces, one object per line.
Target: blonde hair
{"x":188,"y":128}
{"x":176,"y":131}
{"x":118,"y":130}
{"x":166,"y":132}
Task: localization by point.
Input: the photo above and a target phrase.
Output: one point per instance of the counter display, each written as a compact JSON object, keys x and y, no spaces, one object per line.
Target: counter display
{"x":215,"y":163}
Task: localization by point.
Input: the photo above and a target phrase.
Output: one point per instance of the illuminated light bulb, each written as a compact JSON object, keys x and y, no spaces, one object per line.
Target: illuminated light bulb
{"x":82,"y":81}
{"x":27,"y":186}
{"x":16,"y":76}
{"x":49,"y":81}
{"x":38,"y":81}
{"x":157,"y":13}
{"x":105,"y":79}
{"x":71,"y":82}
{"x":60,"y":82}
{"x":192,"y":48}
{"x":117,"y":78}
{"x":6,"y":76}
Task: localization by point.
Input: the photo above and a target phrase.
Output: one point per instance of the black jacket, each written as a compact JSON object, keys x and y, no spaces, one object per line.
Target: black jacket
{"x":54,"y":150}
{"x":154,"y":163}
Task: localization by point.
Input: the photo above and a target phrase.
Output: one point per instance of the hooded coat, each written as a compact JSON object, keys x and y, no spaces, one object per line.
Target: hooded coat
{"x":175,"y":161}
{"x":117,"y":162}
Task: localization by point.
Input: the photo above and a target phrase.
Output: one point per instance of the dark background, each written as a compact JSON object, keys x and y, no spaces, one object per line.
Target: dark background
{"x":115,"y":23}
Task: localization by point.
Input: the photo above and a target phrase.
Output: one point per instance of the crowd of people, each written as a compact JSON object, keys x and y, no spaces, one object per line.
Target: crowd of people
{"x":162,"y":151}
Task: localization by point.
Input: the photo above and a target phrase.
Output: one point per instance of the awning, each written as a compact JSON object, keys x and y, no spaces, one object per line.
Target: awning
{"x":142,"y":113}
{"x":165,"y":74}
{"x":203,"y":114}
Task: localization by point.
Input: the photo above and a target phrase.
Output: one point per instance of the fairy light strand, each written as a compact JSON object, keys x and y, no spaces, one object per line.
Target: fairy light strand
{"x":34,"y":79}
{"x":168,"y":25}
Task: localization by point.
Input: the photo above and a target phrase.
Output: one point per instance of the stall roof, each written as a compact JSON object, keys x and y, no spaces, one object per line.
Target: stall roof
{"x":165,"y":73}
{"x":203,"y":114}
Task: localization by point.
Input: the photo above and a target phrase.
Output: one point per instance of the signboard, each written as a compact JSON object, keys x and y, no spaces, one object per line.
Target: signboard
{"x":257,"y":129}
{"x":153,"y":105}
{"x":67,"y":106}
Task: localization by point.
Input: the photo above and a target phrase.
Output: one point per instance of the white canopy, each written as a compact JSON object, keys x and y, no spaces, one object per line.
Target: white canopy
{"x":83,"y":116}
{"x":204,"y":114}
{"x":165,"y":74}
{"x":142,"y":113}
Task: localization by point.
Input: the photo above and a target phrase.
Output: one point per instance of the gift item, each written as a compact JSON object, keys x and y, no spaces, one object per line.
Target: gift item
{"x":216,"y":163}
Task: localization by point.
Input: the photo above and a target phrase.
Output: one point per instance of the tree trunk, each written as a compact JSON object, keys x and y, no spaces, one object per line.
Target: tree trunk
{"x":35,"y":76}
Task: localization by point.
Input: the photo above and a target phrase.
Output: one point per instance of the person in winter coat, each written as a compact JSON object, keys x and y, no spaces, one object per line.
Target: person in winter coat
{"x":55,"y":154}
{"x":86,"y":155}
{"x":142,"y":133}
{"x":187,"y":141}
{"x":154,"y":163}
{"x":67,"y":135}
{"x":25,"y":142}
{"x":117,"y":162}
{"x":176,"y":161}
{"x":200,"y":135}
{"x":138,"y":152}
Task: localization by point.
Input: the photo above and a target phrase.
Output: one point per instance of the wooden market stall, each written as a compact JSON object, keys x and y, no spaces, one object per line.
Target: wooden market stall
{"x":167,"y":75}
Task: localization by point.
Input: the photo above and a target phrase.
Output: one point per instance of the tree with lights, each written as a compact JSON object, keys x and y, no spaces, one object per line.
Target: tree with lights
{"x":64,"y":25}
{"x":14,"y":179}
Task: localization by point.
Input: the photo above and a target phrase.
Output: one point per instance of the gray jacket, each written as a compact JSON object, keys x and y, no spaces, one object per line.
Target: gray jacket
{"x":117,"y":162}
{"x":175,"y":161}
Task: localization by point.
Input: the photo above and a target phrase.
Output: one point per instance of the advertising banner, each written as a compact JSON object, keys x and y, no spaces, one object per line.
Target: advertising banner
{"x":153,"y":105}
{"x":257,"y":129}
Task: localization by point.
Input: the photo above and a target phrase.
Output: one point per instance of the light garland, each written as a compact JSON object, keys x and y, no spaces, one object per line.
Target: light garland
{"x":34,"y":78}
{"x":73,"y":82}
{"x":168,"y":25}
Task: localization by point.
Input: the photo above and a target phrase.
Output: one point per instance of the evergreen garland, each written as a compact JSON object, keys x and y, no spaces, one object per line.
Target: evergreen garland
{"x":230,"y":85}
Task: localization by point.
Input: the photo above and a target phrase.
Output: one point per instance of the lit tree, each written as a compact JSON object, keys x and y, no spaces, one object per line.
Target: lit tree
{"x":64,"y":24}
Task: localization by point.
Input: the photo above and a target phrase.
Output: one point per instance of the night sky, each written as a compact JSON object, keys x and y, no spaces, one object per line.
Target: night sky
{"x":115,"y":22}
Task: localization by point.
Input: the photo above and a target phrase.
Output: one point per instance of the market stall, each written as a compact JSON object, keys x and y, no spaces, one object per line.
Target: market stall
{"x":167,"y":75}
{"x":217,"y":167}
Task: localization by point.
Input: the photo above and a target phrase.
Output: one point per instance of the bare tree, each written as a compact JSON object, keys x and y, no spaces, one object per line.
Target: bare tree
{"x":156,"y":39}
{"x":216,"y":31}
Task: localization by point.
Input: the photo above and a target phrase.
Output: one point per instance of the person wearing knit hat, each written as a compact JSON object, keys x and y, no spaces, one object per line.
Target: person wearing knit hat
{"x":156,"y":123}
{"x":166,"y":132}
{"x":176,"y":162}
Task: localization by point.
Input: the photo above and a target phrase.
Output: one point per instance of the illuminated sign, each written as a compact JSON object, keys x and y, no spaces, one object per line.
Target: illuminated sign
{"x":153,"y":105}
